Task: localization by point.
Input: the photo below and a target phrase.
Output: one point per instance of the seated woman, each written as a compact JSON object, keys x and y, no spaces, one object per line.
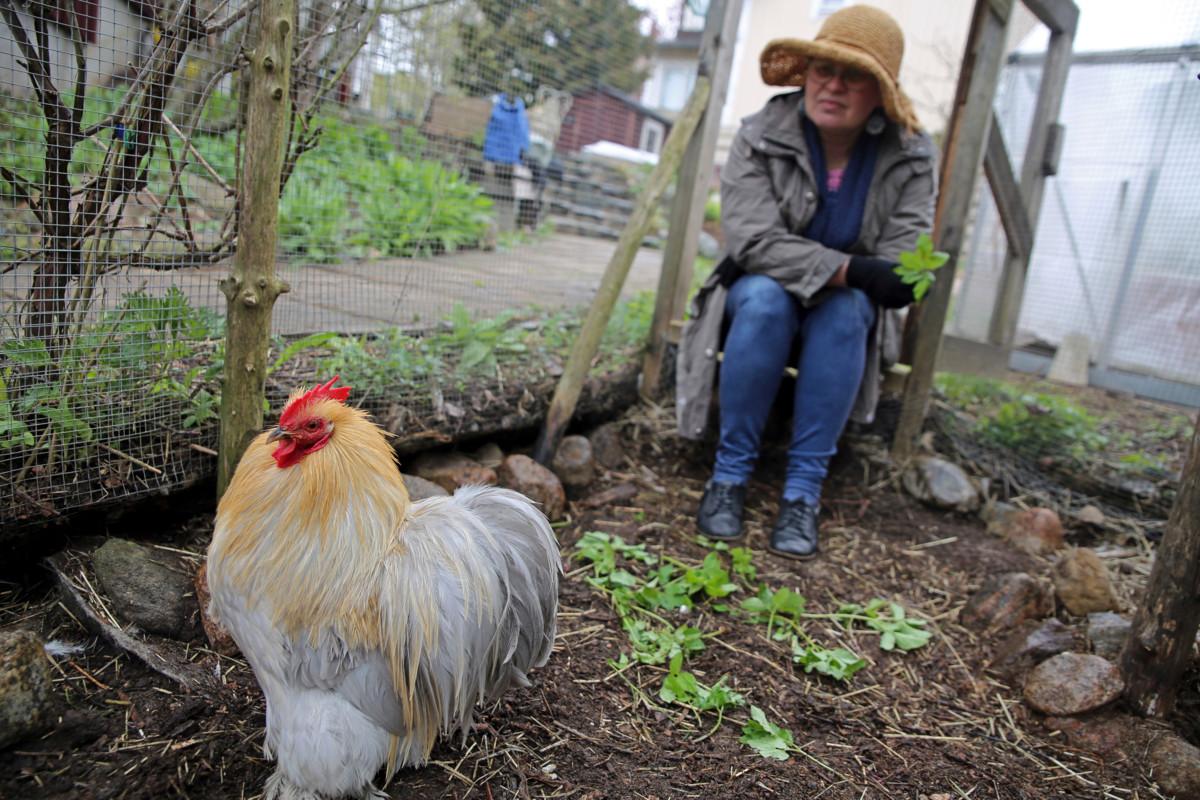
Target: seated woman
{"x":822,"y":190}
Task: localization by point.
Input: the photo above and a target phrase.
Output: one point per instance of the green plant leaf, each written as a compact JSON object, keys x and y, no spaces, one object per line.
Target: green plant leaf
{"x":26,"y":352}
{"x":765,"y":737}
{"x":838,"y":663}
{"x":299,"y":345}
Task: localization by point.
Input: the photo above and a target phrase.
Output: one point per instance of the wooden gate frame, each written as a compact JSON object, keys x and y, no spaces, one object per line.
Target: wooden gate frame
{"x":717,"y":45}
{"x":973,"y":136}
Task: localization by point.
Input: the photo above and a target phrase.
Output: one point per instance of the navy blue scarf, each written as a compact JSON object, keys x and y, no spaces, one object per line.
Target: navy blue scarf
{"x":839,"y":214}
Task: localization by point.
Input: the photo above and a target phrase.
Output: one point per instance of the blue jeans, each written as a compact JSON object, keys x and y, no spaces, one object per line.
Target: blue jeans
{"x":764,"y":321}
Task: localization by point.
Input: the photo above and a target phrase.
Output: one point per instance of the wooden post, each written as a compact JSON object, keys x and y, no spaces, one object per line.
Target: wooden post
{"x":566,"y":395}
{"x":251,"y":288}
{"x":1041,"y":156}
{"x":1159,"y":648}
{"x":962,"y":156}
{"x":691,"y":191}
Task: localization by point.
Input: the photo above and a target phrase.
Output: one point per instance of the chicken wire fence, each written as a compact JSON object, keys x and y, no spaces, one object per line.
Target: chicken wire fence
{"x":456,"y":173}
{"x":1114,"y":258}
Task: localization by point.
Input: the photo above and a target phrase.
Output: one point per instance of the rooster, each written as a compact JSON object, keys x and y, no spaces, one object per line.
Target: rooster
{"x":373,"y":624}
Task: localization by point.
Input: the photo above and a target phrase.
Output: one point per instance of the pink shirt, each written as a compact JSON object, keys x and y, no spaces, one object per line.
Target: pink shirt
{"x":833,"y":179}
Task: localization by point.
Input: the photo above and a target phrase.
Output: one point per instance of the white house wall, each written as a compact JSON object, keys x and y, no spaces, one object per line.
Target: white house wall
{"x":935,"y":34}
{"x":119,"y":37}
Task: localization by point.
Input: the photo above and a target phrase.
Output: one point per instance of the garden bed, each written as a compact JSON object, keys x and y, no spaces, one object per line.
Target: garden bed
{"x":938,"y":720}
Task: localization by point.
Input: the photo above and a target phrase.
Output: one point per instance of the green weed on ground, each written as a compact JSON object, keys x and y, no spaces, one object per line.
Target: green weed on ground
{"x":1032,"y":423}
{"x":645,"y":589}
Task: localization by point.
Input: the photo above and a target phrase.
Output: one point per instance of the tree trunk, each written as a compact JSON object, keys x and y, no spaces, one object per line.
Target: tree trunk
{"x":1160,"y":643}
{"x":251,"y":289}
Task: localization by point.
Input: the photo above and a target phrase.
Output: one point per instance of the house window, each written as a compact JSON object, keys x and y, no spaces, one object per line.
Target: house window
{"x":677,"y":83}
{"x":823,"y":8}
{"x":652,"y":136}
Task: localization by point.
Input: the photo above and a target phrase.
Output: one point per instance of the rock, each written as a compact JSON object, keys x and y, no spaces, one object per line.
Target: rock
{"x":607,"y":447}
{"x":147,"y":587}
{"x":1032,"y":643}
{"x":421,"y":489}
{"x":1104,"y":734}
{"x":1006,"y":600}
{"x":1070,"y":364}
{"x":523,"y":474}
{"x":708,"y":246}
{"x":1073,"y":683}
{"x":489,"y":455}
{"x":1107,"y":633}
{"x":451,"y":470}
{"x":1082,"y":583}
{"x":573,"y":463}
{"x":1090,"y":515}
{"x":26,"y":699}
{"x":939,"y":483}
{"x":218,"y":638}
{"x":617,"y":494}
{"x":1176,"y":767}
{"x":999,"y":515}
{"x":1037,"y":531}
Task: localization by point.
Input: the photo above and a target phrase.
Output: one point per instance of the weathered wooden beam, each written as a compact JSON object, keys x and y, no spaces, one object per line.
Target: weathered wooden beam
{"x":1045,"y":135}
{"x":691,"y":190}
{"x":1060,"y":16}
{"x":1159,"y":648}
{"x":962,"y":156}
{"x":251,"y":288}
{"x":566,"y":395}
{"x":1007,"y":194}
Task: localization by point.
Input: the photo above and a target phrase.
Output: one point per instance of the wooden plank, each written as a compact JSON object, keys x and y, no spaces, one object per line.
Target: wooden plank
{"x":1060,"y":16}
{"x":962,"y":156}
{"x":1007,"y":194}
{"x":691,"y":191}
{"x":566,"y":395}
{"x":459,"y":117}
{"x":1003,"y":325}
{"x":251,"y":287}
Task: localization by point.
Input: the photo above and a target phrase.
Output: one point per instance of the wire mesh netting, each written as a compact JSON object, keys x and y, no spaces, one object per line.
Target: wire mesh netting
{"x":456,"y":174}
{"x":1114,"y":256}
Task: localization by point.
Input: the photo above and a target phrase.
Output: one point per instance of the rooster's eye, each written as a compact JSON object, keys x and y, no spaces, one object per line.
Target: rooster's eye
{"x":312,"y":424}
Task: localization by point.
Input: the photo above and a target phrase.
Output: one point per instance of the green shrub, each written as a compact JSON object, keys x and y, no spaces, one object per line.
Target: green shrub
{"x":1034,"y":424}
{"x":377,"y":364}
{"x":971,"y":391}
{"x":418,"y":208}
{"x":313,"y":216}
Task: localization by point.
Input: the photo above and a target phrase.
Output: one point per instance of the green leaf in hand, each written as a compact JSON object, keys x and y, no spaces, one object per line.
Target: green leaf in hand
{"x":917,"y":266}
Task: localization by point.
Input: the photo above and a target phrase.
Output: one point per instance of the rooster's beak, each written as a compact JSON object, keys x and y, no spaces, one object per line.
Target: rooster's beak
{"x":276,"y":434}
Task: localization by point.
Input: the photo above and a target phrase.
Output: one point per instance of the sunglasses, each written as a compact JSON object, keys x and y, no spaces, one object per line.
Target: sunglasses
{"x":852,"y":77}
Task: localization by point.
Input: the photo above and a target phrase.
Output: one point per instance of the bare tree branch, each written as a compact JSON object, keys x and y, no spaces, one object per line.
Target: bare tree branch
{"x":395,"y":11}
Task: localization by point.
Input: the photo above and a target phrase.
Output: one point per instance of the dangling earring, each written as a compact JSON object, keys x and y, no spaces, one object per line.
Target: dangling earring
{"x":876,"y":122}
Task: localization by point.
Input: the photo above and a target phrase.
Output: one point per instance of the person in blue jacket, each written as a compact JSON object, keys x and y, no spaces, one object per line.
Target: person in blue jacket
{"x":507,"y":135}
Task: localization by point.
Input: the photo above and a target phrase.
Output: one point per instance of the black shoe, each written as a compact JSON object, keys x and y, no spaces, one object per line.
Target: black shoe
{"x":795,"y":531}
{"x":720,"y":515}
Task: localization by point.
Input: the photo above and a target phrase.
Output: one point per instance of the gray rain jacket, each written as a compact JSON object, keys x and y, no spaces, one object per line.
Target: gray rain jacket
{"x":768,"y":196}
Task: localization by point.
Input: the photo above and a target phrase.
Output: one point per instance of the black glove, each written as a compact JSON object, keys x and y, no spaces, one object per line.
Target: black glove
{"x":878,"y":279}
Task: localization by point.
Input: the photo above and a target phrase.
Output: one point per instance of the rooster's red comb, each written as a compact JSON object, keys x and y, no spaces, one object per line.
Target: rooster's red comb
{"x":324,"y":391}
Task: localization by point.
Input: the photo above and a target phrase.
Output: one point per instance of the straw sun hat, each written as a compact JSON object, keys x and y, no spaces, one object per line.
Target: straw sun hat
{"x":860,"y":36}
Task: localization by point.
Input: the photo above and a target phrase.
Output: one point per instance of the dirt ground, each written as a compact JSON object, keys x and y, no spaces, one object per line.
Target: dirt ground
{"x":938,"y":722}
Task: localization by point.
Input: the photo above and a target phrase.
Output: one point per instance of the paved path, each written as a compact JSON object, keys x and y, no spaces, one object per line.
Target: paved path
{"x":554,"y":272}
